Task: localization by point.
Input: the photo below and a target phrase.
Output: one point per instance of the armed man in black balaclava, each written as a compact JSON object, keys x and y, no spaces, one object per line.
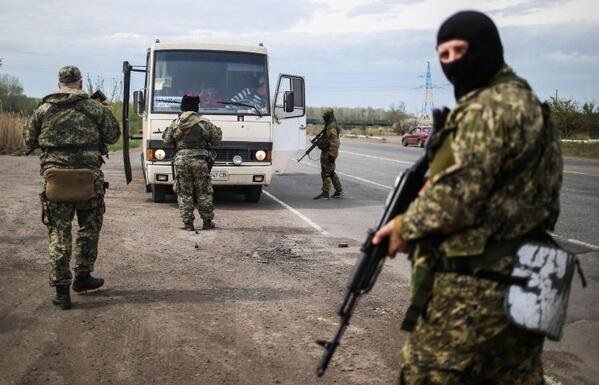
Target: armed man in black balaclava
{"x":494,"y":181}
{"x":329,"y":151}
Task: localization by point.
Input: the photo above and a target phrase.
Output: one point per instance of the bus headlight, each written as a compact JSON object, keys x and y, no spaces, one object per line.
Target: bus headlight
{"x":159,"y":154}
{"x":260,"y":155}
{"x":237,"y":160}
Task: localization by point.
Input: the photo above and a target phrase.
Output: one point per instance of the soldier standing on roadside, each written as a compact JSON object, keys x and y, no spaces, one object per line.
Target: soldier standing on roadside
{"x":72,"y":130}
{"x":329,"y":151}
{"x":494,"y":179}
{"x":193,"y":137}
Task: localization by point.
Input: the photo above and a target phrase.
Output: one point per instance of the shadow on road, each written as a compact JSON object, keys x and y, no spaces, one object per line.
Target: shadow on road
{"x":110,"y":297}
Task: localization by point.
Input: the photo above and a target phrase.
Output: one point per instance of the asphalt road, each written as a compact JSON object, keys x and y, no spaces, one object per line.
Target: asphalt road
{"x":368,"y":169}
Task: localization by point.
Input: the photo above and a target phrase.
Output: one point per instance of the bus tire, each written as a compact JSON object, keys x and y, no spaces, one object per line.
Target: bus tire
{"x":252,"y":194}
{"x":158,"y":193}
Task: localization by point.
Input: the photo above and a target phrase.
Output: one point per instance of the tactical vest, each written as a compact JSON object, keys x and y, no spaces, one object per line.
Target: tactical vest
{"x":197,"y":139}
{"x":59,"y":134}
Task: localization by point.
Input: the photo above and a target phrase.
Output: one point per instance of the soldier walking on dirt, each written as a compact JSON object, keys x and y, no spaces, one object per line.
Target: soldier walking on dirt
{"x":329,"y":150}
{"x":494,"y":181}
{"x":72,"y":131}
{"x":193,"y":137}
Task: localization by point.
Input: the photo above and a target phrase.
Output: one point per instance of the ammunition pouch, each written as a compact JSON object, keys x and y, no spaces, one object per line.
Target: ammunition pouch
{"x":540,"y":301}
{"x":537,"y":289}
{"x":322,"y":144}
{"x":210,"y":162}
{"x":69,"y":185}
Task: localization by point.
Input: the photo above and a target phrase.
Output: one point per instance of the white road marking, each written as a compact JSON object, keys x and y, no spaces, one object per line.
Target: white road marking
{"x":411,"y":163}
{"x":377,"y":157}
{"x":584,"y":243}
{"x":353,"y":176}
{"x":302,"y":216}
{"x":578,"y":173}
{"x":576,"y":241}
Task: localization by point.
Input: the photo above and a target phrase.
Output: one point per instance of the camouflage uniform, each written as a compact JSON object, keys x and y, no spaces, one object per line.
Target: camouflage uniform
{"x":193,"y":136}
{"x":72,"y":130}
{"x":490,"y":183}
{"x":329,"y":147}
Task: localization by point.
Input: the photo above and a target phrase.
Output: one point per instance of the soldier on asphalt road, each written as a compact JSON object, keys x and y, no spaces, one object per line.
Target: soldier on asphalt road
{"x":329,"y":151}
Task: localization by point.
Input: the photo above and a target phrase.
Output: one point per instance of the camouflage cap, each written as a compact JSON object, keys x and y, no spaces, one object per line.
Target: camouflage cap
{"x":69,"y":74}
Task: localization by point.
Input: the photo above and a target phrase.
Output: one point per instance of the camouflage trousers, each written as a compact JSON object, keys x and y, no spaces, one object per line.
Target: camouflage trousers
{"x":327,"y":172}
{"x":58,"y":217}
{"x":465,"y":338}
{"x":193,"y":186}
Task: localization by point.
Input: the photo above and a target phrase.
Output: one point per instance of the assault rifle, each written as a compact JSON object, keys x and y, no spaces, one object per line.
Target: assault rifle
{"x":314,"y":141}
{"x":366,"y":271}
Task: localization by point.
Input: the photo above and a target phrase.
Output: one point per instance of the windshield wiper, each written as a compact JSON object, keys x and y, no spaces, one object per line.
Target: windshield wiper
{"x":244,"y":105}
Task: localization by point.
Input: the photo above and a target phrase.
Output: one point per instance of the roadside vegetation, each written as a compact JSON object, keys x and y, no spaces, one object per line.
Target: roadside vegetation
{"x":16,"y":107}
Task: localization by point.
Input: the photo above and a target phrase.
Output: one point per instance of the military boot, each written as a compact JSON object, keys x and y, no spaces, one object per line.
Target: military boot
{"x":188,"y":227}
{"x":63,"y":297}
{"x":84,"y":281}
{"x":208,"y":224}
{"x":338,"y":194}
{"x":322,"y":195}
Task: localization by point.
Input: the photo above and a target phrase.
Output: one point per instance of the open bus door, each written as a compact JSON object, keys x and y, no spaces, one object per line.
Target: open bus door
{"x":289,"y":125}
{"x":138,"y":98}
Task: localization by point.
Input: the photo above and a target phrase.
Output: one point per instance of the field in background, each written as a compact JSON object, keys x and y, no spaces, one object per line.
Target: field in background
{"x":12,"y":124}
{"x":11,"y":132}
{"x":581,"y":150}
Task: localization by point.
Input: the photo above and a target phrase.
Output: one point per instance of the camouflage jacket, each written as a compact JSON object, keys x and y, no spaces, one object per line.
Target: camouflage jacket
{"x":192,"y":135}
{"x":504,"y":176}
{"x":329,"y":142}
{"x":71,"y":129}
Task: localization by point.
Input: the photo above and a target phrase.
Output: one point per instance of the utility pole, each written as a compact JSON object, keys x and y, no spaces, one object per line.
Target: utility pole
{"x":556,"y":94}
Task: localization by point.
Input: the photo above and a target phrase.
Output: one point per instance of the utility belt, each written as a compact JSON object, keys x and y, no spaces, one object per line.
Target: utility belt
{"x":75,"y":149}
{"x":206,"y":158}
{"x":537,"y":289}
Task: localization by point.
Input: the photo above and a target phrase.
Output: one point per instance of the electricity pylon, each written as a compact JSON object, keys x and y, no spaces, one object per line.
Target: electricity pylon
{"x":426,"y":114}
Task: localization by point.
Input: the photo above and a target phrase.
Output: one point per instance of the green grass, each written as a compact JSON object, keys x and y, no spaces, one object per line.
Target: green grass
{"x":133,"y":143}
{"x":581,"y":150}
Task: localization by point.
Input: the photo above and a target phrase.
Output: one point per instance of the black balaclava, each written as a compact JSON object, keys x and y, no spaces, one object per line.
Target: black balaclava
{"x":328,"y":115}
{"x":484,"y":57}
{"x":190,"y":103}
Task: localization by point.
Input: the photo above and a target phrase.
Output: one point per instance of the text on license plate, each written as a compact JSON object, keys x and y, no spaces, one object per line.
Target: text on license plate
{"x":219,"y":175}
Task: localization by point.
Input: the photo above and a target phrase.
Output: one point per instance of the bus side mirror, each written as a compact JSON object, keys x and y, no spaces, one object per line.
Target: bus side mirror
{"x":288,"y":101}
{"x":138,"y":102}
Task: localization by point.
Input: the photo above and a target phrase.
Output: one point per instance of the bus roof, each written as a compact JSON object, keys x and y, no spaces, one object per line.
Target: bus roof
{"x":210,"y":47}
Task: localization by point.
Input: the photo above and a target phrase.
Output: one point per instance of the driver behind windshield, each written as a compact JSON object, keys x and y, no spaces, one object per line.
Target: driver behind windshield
{"x":255,"y":96}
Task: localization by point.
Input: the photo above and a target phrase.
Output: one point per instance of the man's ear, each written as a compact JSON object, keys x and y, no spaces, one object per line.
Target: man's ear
{"x":80,"y":84}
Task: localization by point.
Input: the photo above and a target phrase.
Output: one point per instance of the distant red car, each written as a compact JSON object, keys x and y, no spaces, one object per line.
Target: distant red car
{"x":416,"y":137}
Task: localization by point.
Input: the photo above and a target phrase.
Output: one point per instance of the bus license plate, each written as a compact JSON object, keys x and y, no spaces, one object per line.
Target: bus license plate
{"x":219,"y":175}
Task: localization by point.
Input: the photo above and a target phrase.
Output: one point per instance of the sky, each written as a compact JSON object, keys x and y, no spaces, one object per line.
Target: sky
{"x":352,"y":53}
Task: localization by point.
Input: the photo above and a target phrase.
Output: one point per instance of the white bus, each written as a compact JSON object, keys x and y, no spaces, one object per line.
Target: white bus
{"x":260,"y":133}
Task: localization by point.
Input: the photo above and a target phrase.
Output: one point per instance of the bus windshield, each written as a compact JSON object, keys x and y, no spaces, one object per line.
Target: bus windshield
{"x":232,"y":83}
